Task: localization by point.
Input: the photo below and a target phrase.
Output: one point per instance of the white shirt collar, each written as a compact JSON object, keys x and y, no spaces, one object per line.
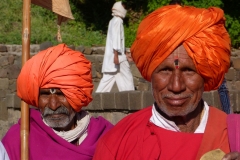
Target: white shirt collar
{"x":162,"y":122}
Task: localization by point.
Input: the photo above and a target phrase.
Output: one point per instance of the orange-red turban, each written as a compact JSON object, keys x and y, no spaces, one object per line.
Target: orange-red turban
{"x":202,"y":33}
{"x":57,"y":67}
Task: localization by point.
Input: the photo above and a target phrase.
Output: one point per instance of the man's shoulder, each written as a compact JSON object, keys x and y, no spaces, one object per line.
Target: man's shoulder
{"x":135,"y":121}
{"x":126,"y":131}
{"x":97,"y":127}
{"x":141,"y":114}
{"x":116,"y":19}
{"x":215,"y":111}
{"x":12,"y":138}
{"x":217,"y":119}
{"x":16,"y":127}
{"x":100,"y":121}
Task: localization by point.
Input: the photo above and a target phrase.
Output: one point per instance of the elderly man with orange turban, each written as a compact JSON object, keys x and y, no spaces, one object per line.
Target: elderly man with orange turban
{"x":58,"y":82}
{"x":182,"y":51}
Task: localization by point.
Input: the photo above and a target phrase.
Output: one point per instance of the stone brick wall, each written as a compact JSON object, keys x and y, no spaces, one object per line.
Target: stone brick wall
{"x":114,"y":105}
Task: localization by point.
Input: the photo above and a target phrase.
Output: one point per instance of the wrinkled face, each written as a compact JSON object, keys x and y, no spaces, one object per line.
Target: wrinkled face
{"x":177,"y":91}
{"x":55,"y":109}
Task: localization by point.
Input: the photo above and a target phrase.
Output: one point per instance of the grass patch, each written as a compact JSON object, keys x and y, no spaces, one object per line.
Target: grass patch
{"x":43,"y":27}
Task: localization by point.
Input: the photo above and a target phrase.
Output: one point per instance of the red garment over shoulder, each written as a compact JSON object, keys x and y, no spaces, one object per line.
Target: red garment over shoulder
{"x":174,"y":145}
{"x":129,"y":138}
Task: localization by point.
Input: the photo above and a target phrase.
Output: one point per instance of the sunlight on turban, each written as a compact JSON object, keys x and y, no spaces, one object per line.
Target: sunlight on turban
{"x":57,"y":67}
{"x":202,"y":33}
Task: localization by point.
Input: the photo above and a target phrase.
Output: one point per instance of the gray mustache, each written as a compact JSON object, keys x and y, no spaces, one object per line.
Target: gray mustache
{"x":60,"y":110}
{"x":177,"y":96}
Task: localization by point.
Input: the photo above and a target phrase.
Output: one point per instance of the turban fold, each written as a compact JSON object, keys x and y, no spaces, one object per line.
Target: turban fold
{"x":202,"y":33}
{"x":57,"y":67}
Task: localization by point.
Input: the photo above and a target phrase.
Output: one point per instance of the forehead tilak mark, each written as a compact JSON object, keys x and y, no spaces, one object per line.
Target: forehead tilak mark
{"x":176,"y":58}
{"x":53,"y":90}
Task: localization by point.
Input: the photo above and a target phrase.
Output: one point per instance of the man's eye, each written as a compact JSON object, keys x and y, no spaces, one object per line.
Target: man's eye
{"x":165,"y":70}
{"x":59,"y":93}
{"x":189,"y":71}
{"x":44,"y":93}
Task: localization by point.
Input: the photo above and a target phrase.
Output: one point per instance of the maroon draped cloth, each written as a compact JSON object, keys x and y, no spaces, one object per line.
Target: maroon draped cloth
{"x":233,"y":122}
{"x":44,"y":144}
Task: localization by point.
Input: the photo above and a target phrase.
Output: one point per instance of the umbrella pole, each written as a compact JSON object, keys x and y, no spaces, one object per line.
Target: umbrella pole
{"x":26,"y":30}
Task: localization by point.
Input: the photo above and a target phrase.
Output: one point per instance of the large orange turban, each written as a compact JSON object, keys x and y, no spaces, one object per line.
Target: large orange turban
{"x":202,"y":33}
{"x":57,"y":67}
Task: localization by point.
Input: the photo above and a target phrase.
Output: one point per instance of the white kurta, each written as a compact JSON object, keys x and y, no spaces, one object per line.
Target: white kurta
{"x":115,"y":41}
{"x":120,"y":74}
{"x":3,"y":153}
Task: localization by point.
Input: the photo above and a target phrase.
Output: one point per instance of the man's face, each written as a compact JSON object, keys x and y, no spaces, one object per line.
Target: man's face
{"x":55,"y":109}
{"x":177,"y":91}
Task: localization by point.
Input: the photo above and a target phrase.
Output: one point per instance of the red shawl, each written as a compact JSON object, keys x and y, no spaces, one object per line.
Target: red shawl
{"x":126,"y":139}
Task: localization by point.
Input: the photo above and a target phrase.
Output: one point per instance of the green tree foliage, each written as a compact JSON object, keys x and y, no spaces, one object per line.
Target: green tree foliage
{"x":92,"y":17}
{"x":10,"y":28}
{"x":203,"y":3}
{"x":94,"y":13}
{"x":154,"y":4}
{"x":43,"y":26}
{"x":232,"y":14}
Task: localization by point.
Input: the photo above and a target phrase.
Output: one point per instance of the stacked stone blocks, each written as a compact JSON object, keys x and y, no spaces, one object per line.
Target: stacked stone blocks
{"x":114,"y":105}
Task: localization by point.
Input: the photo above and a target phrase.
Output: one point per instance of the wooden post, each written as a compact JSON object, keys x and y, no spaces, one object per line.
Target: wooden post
{"x":26,"y":29}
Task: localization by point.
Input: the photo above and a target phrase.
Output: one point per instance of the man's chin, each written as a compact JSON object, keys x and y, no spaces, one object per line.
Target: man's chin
{"x":56,"y":117}
{"x":57,"y":122}
{"x":177,"y":111}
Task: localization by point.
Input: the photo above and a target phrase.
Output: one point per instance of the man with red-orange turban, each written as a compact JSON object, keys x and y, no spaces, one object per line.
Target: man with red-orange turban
{"x":58,"y":82}
{"x":182,"y":51}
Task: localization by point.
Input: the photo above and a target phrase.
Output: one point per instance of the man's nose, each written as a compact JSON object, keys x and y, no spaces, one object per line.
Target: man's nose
{"x":176,"y":83}
{"x":54,"y":102}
